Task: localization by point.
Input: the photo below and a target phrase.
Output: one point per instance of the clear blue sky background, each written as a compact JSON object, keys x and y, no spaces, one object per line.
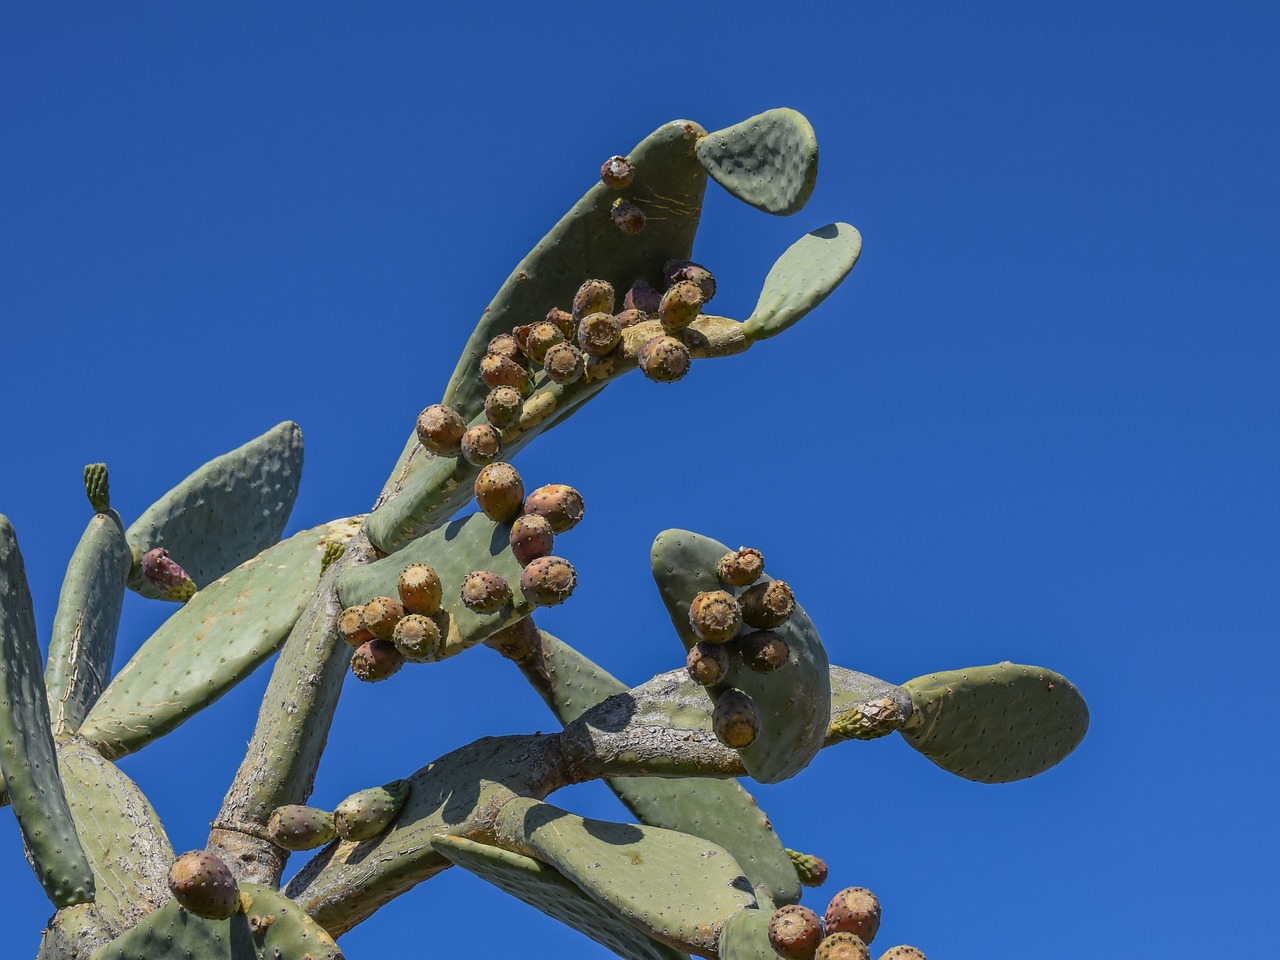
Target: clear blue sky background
{"x":1038,"y":422}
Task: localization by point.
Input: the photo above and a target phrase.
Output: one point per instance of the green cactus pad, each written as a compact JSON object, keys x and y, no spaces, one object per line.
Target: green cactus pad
{"x":217,"y":639}
{"x":769,"y":161}
{"x":120,"y":832}
{"x":27,"y":755}
{"x":226,"y":512}
{"x":430,"y":490}
{"x":549,"y":892}
{"x":995,"y":724}
{"x":676,"y":888}
{"x":746,"y":936}
{"x":74,"y":933}
{"x":268,"y":925}
{"x":802,"y":278}
{"x":794,"y":700}
{"x":84,"y":629}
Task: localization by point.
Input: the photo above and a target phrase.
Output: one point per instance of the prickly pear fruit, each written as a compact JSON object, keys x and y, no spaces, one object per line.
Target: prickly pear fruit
{"x":643,"y":297}
{"x":594,"y":296}
{"x":741,"y":568}
{"x":531,"y":538}
{"x":351,"y":626}
{"x":500,"y":492}
{"x":202,"y":884}
{"x":627,"y":217}
{"x":542,"y":337}
{"x":564,"y":364}
{"x":376,"y":660}
{"x":795,"y":932}
{"x":869,"y":720}
{"x":485,"y":592}
{"x":548,"y":581}
{"x":811,"y":870}
{"x":679,"y":307}
{"x":97,"y":487}
{"x":560,"y":504}
{"x":902,"y":952}
{"x":616,"y":173}
{"x":481,"y":444}
{"x":564,"y":320}
{"x":505,"y":345}
{"x":298,"y":827}
{"x":854,"y":910}
{"x":364,"y":815}
{"x":440,"y":430}
{"x":599,"y":333}
{"x":677,"y":270}
{"x":842,"y":946}
{"x":420,"y":589}
{"x":497,"y":370}
{"x":735,"y":719}
{"x":517,"y":641}
{"x":767,"y":605}
{"x":165,"y":574}
{"x":664,"y":359}
{"x":629,"y":318}
{"x":502,"y":406}
{"x":764,"y":651}
{"x":714,"y":616}
{"x":707,"y":663}
{"x":381,"y":615}
{"x":417,"y":638}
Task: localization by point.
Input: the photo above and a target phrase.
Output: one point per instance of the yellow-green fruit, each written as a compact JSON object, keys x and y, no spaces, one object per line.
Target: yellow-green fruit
{"x":680,"y":306}
{"x":599,"y":333}
{"x":542,"y":337}
{"x":417,"y":638}
{"x":735,"y":719}
{"x":548,"y":581}
{"x":767,"y":605}
{"x":714,"y":616}
{"x":481,"y":444}
{"x":420,"y":589}
{"x":741,"y":568}
{"x":854,"y":910}
{"x":664,"y":359}
{"x":795,"y":932}
{"x":440,"y":430}
{"x":364,"y":815}
{"x":842,"y":946}
{"x":564,"y":364}
{"x":594,"y":296}
{"x":763,"y":651}
{"x":298,"y":827}
{"x":561,"y":505}
{"x":381,"y":615}
{"x":531,"y":538}
{"x":564,"y":321}
{"x":505,"y":345}
{"x":485,"y":592}
{"x":902,"y":952}
{"x":503,"y":406}
{"x":376,"y":660}
{"x":204,"y":885}
{"x":707,"y":663}
{"x":500,"y":492}
{"x":351,"y":626}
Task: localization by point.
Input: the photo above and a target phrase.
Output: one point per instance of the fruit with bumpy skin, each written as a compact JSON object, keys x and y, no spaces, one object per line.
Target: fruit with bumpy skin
{"x":481,"y":444}
{"x":164,"y":573}
{"x":714,"y":616}
{"x":204,"y":885}
{"x":440,"y":430}
{"x":500,"y":492}
{"x":642,"y":296}
{"x":376,"y":660}
{"x":594,"y":296}
{"x":664,"y":359}
{"x":735,"y":719}
{"x":680,"y":306}
{"x":795,"y":932}
{"x":351,"y":626}
{"x":599,"y":333}
{"x":505,"y":345}
{"x":741,"y":568}
{"x":767,"y":605}
{"x":763,"y":651}
{"x":707,"y":663}
{"x":869,"y":720}
{"x":627,"y":217}
{"x":629,"y":318}
{"x":298,"y":827}
{"x":811,"y":870}
{"x":842,"y":946}
{"x":677,"y":270}
{"x":364,"y":815}
{"x":548,"y":581}
{"x":420,"y":589}
{"x":381,"y":615}
{"x":502,"y":406}
{"x":417,"y":638}
{"x":903,"y":952}
{"x":542,"y":337}
{"x":564,"y":364}
{"x":560,"y":504}
{"x":497,"y":370}
{"x":531,"y":537}
{"x":616,"y":173}
{"x":484,"y":592}
{"x":854,"y":910}
{"x":564,"y":321}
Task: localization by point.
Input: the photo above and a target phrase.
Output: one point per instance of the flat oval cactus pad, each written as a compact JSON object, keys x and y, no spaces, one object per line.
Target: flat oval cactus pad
{"x":802,"y":278}
{"x":769,"y":161}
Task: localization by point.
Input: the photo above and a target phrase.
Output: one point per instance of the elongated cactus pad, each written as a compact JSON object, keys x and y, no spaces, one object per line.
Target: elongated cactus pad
{"x":227,"y":511}
{"x":802,"y":278}
{"x":995,"y":724}
{"x":217,"y":639}
{"x":769,"y":161}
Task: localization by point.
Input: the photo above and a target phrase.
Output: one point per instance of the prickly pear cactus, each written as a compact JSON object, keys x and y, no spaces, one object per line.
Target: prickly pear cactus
{"x":610,"y":291}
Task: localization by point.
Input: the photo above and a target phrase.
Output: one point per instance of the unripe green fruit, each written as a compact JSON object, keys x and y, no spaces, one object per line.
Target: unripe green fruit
{"x":854,"y":910}
{"x":481,"y":444}
{"x":297,"y":827}
{"x":616,"y":173}
{"x":564,"y":321}
{"x":485,"y":592}
{"x":664,"y":359}
{"x":598,"y":334}
{"x":376,"y":660}
{"x":381,"y":615}
{"x":764,"y":651}
{"x":714,"y":616}
{"x":440,"y":430}
{"x":548,"y":581}
{"x":842,"y":946}
{"x":795,"y":932}
{"x":204,"y":885}
{"x":680,"y":306}
{"x":594,"y":296}
{"x":505,"y":345}
{"x":767,"y":605}
{"x":560,"y":504}
{"x":420,"y":589}
{"x":902,"y":952}
{"x":542,"y":337}
{"x":503,"y":406}
{"x":500,"y":492}
{"x":678,"y":270}
{"x":564,"y":364}
{"x":643,"y":297}
{"x":629,"y":318}
{"x":707,"y":663}
{"x":741,"y":568}
{"x":351,"y":626}
{"x":627,"y":217}
{"x":501,"y":371}
{"x":417,"y":638}
{"x":516,"y":642}
{"x":735,"y":719}
{"x":364,"y":815}
{"x":531,"y":537}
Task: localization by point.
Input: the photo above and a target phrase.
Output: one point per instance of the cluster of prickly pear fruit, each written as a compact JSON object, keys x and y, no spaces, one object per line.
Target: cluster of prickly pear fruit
{"x":844,"y":932}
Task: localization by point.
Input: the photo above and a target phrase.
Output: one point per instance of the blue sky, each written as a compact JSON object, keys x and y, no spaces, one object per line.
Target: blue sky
{"x":1037,"y":423}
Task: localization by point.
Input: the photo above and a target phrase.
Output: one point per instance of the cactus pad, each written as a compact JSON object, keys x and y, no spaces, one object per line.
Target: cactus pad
{"x":802,"y":278}
{"x":769,"y":161}
{"x":746,"y":937}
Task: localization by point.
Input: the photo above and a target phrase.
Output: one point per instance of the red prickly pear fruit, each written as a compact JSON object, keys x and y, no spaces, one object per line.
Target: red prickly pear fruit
{"x":767,"y":605}
{"x":679,"y":307}
{"x":484,"y":592}
{"x":542,"y":337}
{"x":499,"y":371}
{"x":795,"y":932}
{"x":594,"y":296}
{"x":564,"y":364}
{"x":381,"y":615}
{"x":420,"y":589}
{"x":531,"y":538}
{"x":500,"y":492}
{"x":903,"y":952}
{"x":599,"y":333}
{"x":842,"y":946}
{"x":764,"y":651}
{"x":548,"y":581}
{"x":298,"y":827}
{"x":678,"y":270}
{"x":854,"y":910}
{"x":481,"y":444}
{"x":714,"y":616}
{"x":204,"y":885}
{"x":741,"y":568}
{"x":735,"y":719}
{"x":616,"y":173}
{"x":440,"y":430}
{"x":503,"y":407}
{"x":351,"y":626}
{"x":164,"y":573}
{"x":518,"y":641}
{"x":560,"y":504}
{"x":564,"y":321}
{"x":642,"y":296}
{"x":629,"y":318}
{"x":627,"y":217}
{"x":417,"y":638}
{"x":505,"y":345}
{"x":664,"y":359}
{"x":376,"y":660}
{"x":707,"y":663}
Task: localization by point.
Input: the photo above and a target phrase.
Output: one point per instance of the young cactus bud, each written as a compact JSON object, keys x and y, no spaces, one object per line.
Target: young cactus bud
{"x":165,"y":574}
{"x":677,"y":270}
{"x":767,"y":605}
{"x":417,"y":638}
{"x":714,"y":616}
{"x":811,"y":870}
{"x":516,"y":642}
{"x":564,"y":321}
{"x":564,"y":363}
{"x":503,"y":406}
{"x":420,"y":589}
{"x":376,"y":660}
{"x":741,"y":568}
{"x":500,"y":492}
{"x":485,"y":592}
{"x":842,"y":946}
{"x":598,"y":334}
{"x":351,"y":626}
{"x":707,"y":663}
{"x":735,"y":719}
{"x":381,"y":615}
{"x":643,"y":297}
{"x":440,"y":430}
{"x":594,"y":296}
{"x":297,"y":827}
{"x":627,"y":217}
{"x":617,"y":173}
{"x":505,"y":345}
{"x":332,"y":553}
{"x":97,"y":487}
{"x":542,"y":337}
{"x":561,"y":505}
{"x":481,"y":444}
{"x":795,"y":932}
{"x":202,"y":884}
{"x":499,"y":371}
{"x":679,"y":307}
{"x":364,"y":815}
{"x":902,"y":952}
{"x":548,"y":581}
{"x":531,"y":538}
{"x":764,"y":651}
{"x":854,"y":910}
{"x":869,"y":720}
{"x":664,"y":359}
{"x":629,"y":318}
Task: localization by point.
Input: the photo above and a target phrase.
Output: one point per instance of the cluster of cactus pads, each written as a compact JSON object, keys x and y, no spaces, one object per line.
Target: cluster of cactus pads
{"x":700,"y":870}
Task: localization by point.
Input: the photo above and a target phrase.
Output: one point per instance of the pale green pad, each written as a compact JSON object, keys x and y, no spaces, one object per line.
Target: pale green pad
{"x":677,"y":888}
{"x":269,"y":927}
{"x":26,"y":742}
{"x":229,"y":510}
{"x":794,"y":700}
{"x":74,"y":933}
{"x":84,"y":628}
{"x":547,"y":891}
{"x":769,"y":161}
{"x":212,"y":643}
{"x":995,"y":724}
{"x":802,"y":278}
{"x":746,"y":937}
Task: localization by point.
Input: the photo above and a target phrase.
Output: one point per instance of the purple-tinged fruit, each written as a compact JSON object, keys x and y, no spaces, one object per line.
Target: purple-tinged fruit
{"x":811,"y":870}
{"x":767,"y":605}
{"x":764,"y":651}
{"x":440,"y":430}
{"x":616,"y":173}
{"x":298,"y":827}
{"x":642,"y":296}
{"x":629,"y":318}
{"x":542,"y":337}
{"x":842,"y":946}
{"x":627,"y":217}
{"x":417,"y":638}
{"x":599,"y":333}
{"x":485,"y":592}
{"x":664,"y":359}
{"x":548,"y":581}
{"x":503,"y":406}
{"x":531,"y":538}
{"x":163,"y":572}
{"x":714,"y":616}
{"x":481,"y":444}
{"x":564,"y":321}
{"x":364,"y":815}
{"x":204,"y":885}
{"x":564,"y":364}
{"x":854,"y":910}
{"x":903,"y":952}
{"x":381,"y":615}
{"x":795,"y":932}
{"x":499,"y":371}
{"x":680,"y":306}
{"x":741,"y":568}
{"x":707,"y":663}
{"x":560,"y":504}
{"x":516,"y":642}
{"x":594,"y":296}
{"x":420,"y":589}
{"x":500,"y":492}
{"x":376,"y":660}
{"x":351,"y":626}
{"x":735,"y":719}
{"x":505,"y":345}
{"x":678,"y":270}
